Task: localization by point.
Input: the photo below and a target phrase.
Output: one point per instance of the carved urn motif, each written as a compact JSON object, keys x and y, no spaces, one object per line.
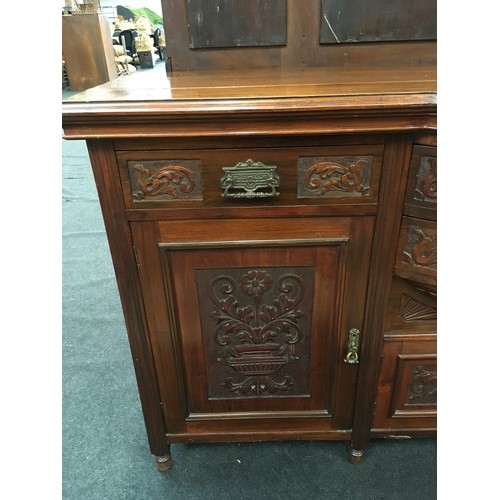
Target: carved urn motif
{"x":257,"y":341}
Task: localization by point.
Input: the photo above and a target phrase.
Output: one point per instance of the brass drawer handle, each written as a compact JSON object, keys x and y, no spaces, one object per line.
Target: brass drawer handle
{"x":352,"y":347}
{"x":250,"y":179}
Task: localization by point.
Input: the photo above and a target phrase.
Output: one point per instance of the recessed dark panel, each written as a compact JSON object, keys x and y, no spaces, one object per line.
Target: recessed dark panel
{"x":377,"y":20}
{"x":236,"y":23}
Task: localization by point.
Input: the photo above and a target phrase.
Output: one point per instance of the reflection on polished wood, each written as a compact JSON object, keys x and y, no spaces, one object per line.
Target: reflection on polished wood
{"x":199,"y":275}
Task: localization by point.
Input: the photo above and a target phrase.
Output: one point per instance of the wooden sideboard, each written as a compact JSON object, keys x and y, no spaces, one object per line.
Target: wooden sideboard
{"x":273,"y":234}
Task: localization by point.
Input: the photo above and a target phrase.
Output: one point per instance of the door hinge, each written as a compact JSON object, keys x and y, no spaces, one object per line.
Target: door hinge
{"x":137,"y":263}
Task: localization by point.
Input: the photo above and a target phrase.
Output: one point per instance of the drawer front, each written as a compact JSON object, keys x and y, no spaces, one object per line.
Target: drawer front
{"x":316,"y":175}
{"x":416,"y":257}
{"x":421,"y":192}
{"x":407,"y":387}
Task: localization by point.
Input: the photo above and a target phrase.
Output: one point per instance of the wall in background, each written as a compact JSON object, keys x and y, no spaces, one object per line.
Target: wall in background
{"x":154,"y":5}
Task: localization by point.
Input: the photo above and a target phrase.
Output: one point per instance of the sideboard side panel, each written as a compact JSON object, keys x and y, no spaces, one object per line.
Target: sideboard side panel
{"x":103,"y":162}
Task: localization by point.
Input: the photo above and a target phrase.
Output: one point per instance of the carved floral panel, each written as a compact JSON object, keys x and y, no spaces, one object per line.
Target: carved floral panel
{"x":256,"y":327}
{"x":334,"y":176}
{"x":165,"y":180}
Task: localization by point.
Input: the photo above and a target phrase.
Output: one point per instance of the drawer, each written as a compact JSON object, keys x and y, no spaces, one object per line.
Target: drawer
{"x":421,"y":191}
{"x":416,"y":258}
{"x":250,"y":177}
{"x":407,"y":387}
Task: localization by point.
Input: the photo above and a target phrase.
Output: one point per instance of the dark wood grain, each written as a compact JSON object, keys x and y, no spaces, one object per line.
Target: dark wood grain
{"x":421,"y":192}
{"x":301,"y":48}
{"x":377,"y":20}
{"x":103,"y":162}
{"x":235,"y":23}
{"x":391,"y":200}
{"x":407,"y":394}
{"x":88,"y":51}
{"x":349,"y":249}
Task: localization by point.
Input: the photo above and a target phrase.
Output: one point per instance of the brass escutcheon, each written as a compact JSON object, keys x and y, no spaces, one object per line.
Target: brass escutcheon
{"x":250,"y":179}
{"x":352,"y":347}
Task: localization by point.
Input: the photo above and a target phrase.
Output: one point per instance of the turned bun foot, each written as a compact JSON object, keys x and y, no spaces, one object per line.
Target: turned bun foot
{"x":164,"y":462}
{"x":356,"y":456}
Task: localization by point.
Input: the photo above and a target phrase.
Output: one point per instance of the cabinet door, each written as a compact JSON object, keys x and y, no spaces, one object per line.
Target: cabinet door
{"x":249,"y":321}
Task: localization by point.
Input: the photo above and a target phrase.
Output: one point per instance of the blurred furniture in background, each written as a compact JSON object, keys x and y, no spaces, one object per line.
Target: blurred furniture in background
{"x":146,"y":51}
{"x":156,"y":43}
{"x":88,"y":50}
{"x":127,"y":39}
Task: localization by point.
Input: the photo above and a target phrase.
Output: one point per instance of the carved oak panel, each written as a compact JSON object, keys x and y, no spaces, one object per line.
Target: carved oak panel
{"x":258,"y":324}
{"x":422,"y":388}
{"x":426,"y":189}
{"x":407,"y":386}
{"x":417,"y":251}
{"x":334,"y":176}
{"x":256,"y":330}
{"x":421,"y":247}
{"x":416,"y":386}
{"x":165,"y":180}
{"x":421,"y":191}
{"x":411,"y":310}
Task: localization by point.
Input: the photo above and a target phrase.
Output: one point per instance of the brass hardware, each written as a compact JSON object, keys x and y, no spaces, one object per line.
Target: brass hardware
{"x":137,"y":263}
{"x":250,"y":179}
{"x":352,"y":347}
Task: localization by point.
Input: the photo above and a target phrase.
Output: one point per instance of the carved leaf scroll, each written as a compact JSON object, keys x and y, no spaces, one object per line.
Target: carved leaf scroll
{"x":334,"y":176}
{"x":165,"y":180}
{"x":421,"y":247}
{"x":427,"y":179}
{"x":423,"y":385}
{"x":331,"y":175}
{"x":160,"y":182}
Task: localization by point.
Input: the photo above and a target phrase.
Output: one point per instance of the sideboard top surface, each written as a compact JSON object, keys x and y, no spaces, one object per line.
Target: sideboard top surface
{"x":264,"y":84}
{"x":156,"y":104}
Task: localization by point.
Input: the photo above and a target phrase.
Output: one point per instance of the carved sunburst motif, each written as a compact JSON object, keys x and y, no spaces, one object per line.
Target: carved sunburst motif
{"x":413,"y":310}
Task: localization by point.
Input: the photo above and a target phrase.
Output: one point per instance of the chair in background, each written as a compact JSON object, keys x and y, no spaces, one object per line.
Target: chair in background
{"x":156,"y":42}
{"x":116,"y":37}
{"x":127,"y":39}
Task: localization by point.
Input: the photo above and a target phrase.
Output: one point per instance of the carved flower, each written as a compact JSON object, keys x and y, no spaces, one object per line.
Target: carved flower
{"x":256,"y":282}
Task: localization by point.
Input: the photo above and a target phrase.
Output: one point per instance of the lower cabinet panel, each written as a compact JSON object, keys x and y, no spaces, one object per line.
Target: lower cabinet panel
{"x":249,"y":323}
{"x":407,"y":387}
